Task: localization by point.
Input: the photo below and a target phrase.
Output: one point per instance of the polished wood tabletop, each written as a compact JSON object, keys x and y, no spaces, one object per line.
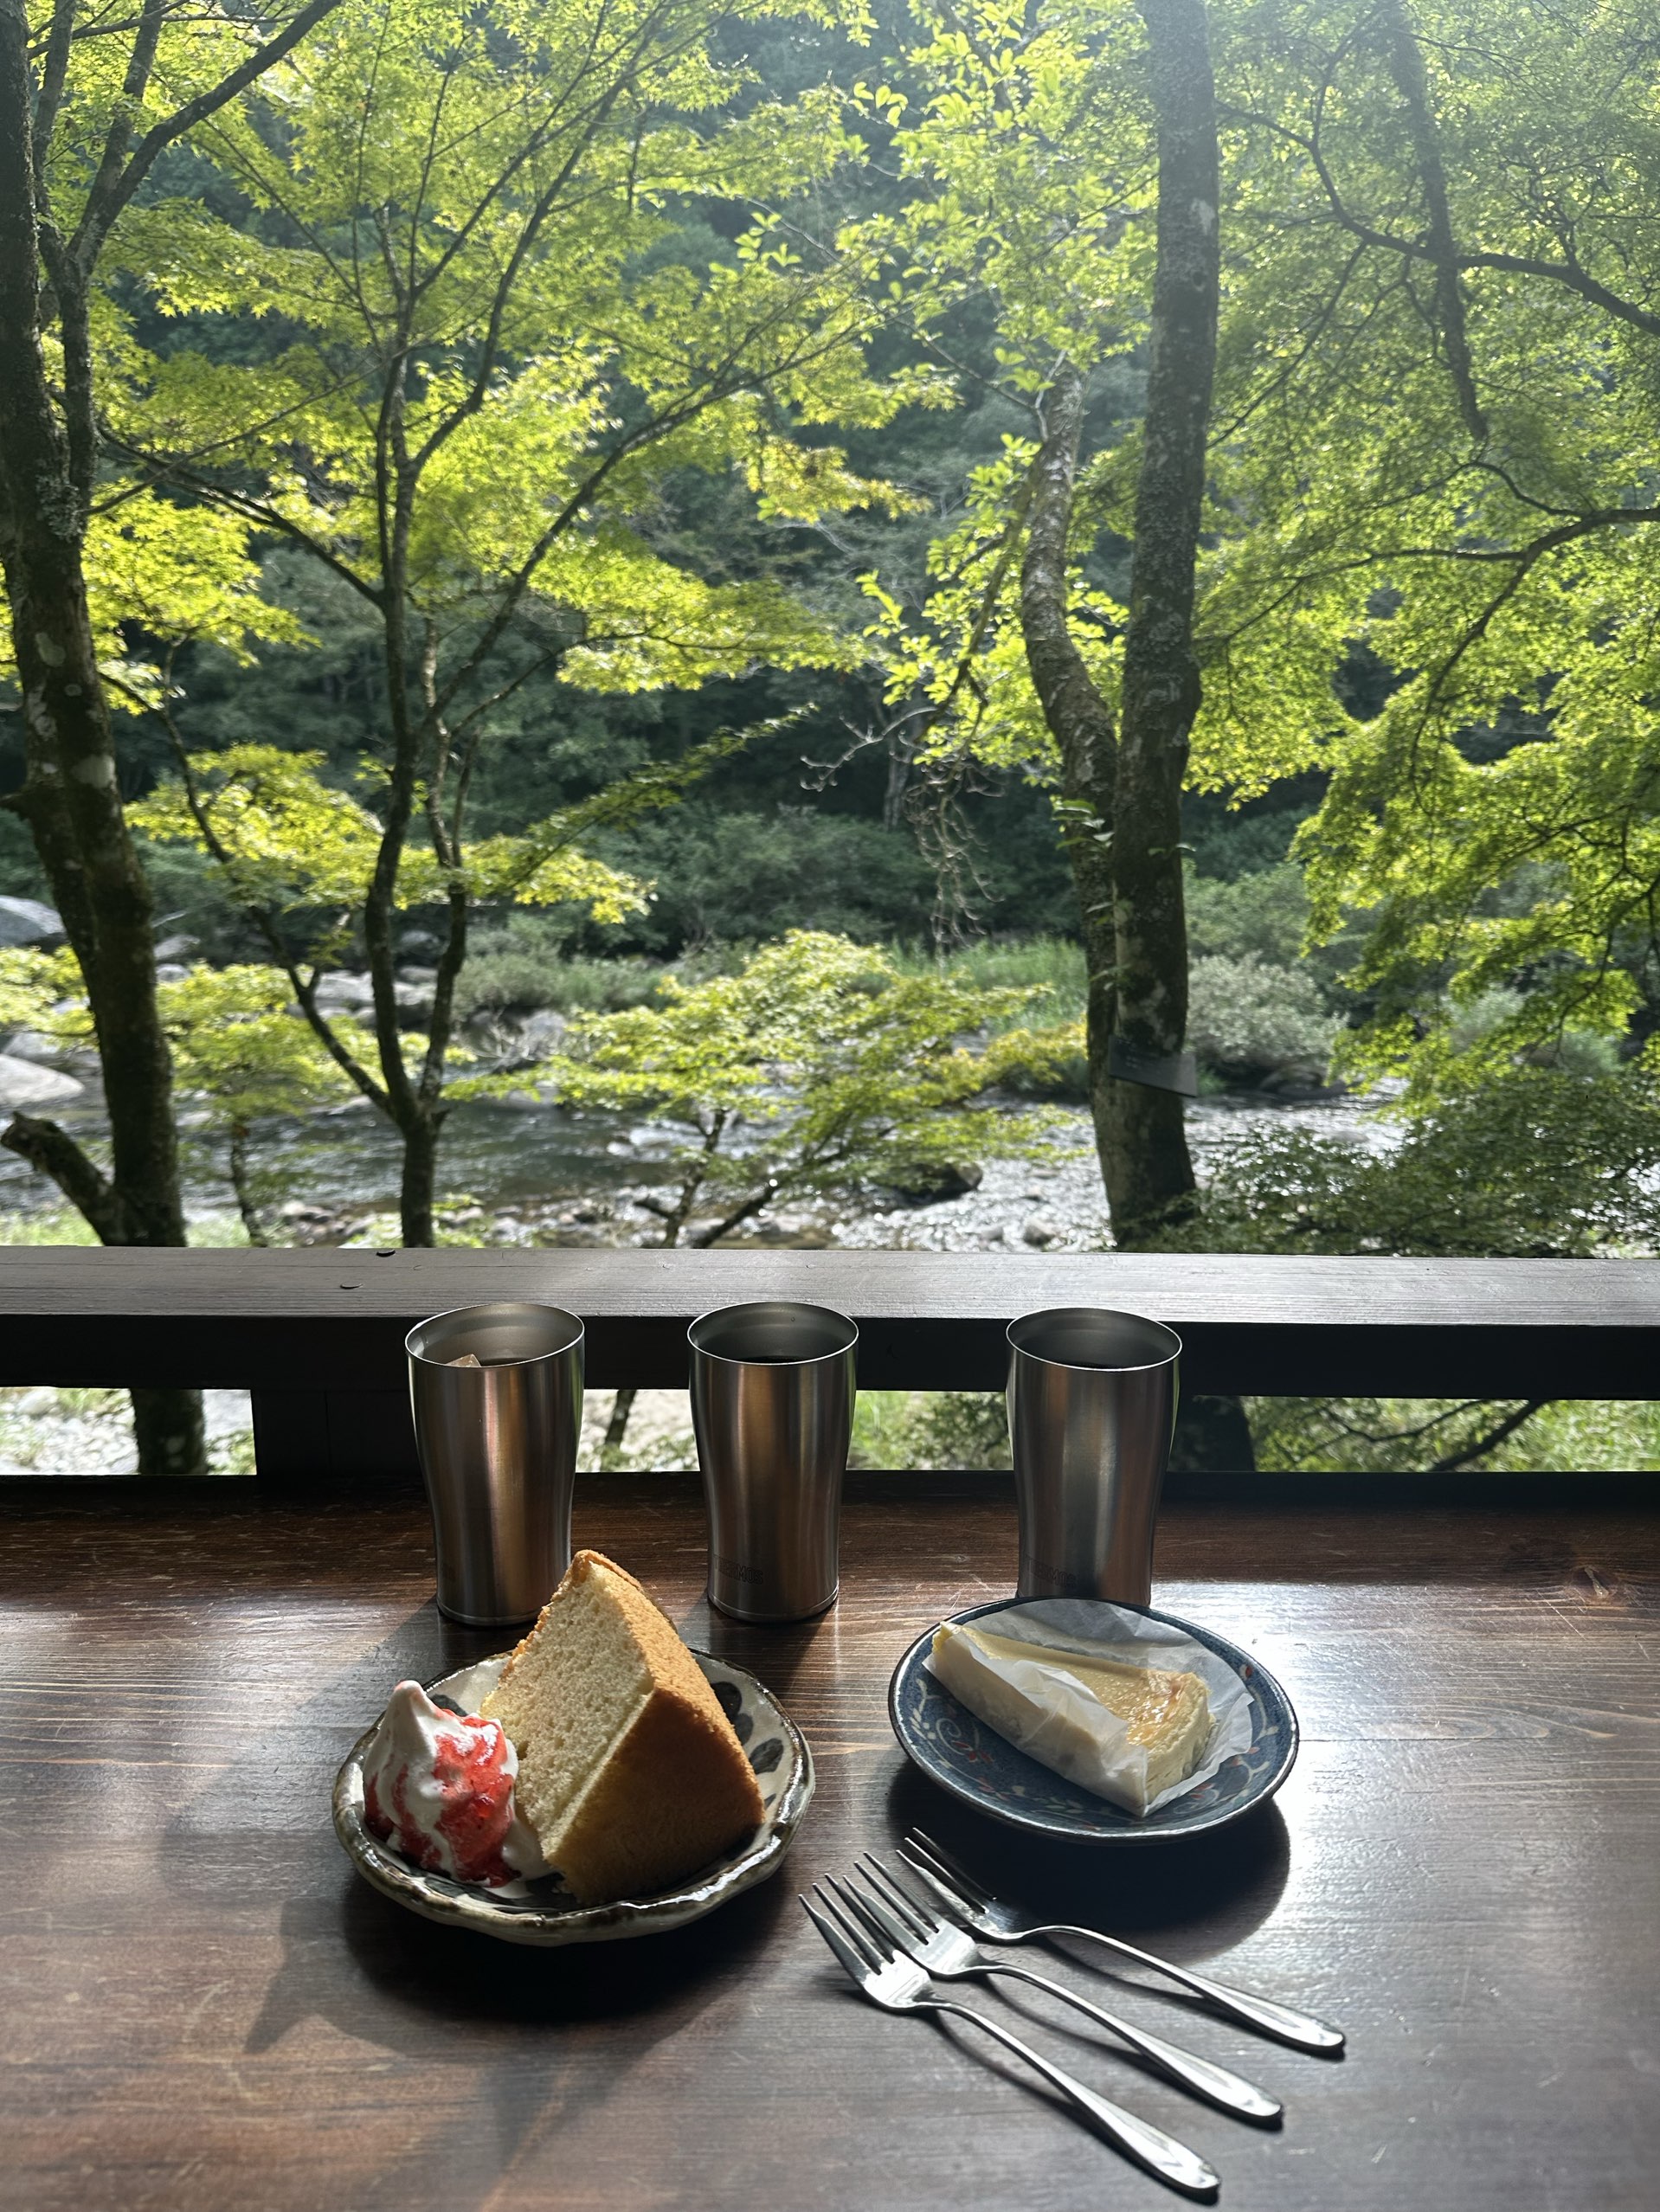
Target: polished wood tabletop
{"x":203,"y":2006}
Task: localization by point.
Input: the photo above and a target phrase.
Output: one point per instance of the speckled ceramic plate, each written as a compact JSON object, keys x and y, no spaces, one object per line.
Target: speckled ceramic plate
{"x":542,"y":1911}
{"x":974,"y":1763}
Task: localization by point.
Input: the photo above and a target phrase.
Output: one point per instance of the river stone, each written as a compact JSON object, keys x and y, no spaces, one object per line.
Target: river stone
{"x":933,"y":1185}
{"x":340,"y":989}
{"x":25,"y":1085}
{"x":30,"y":1044}
{"x":540,"y":1035}
{"x":28,"y":922}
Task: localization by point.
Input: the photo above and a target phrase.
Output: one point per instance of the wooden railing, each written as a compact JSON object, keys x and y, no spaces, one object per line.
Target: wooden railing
{"x":317,"y":1335}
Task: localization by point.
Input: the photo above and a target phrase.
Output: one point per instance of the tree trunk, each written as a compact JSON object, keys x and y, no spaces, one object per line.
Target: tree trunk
{"x":168,"y":1429}
{"x":1213,"y":1438}
{"x":242,"y":1185}
{"x":1149,"y":1161}
{"x":418,"y":1184}
{"x":1082,"y":726}
{"x":615,"y":1430}
{"x":1122,"y":787}
{"x":1407,"y":66}
{"x":71,"y":796}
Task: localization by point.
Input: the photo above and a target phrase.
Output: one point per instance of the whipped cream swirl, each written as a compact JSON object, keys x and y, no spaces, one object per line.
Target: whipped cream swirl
{"x":438,"y":1787}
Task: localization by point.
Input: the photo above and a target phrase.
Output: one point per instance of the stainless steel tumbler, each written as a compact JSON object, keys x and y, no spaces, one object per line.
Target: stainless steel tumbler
{"x":772,"y":1404}
{"x":497,"y":1445}
{"x":1091,"y":1404}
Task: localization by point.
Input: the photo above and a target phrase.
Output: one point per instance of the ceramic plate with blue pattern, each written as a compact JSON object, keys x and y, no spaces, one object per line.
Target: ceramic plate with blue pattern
{"x":960,"y":1752}
{"x":544,"y":1911}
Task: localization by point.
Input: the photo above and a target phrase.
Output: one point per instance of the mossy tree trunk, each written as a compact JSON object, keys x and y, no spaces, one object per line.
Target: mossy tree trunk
{"x":71,"y":796}
{"x":1122,"y":780}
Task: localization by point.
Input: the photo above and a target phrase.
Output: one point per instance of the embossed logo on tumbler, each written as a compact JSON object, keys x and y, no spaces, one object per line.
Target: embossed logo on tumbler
{"x":497,"y":1393}
{"x":1091,"y":1405}
{"x":772,"y":1404}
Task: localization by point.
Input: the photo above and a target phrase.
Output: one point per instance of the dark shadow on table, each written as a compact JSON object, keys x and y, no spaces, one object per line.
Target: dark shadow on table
{"x":774,"y":1652}
{"x":553,"y":2030}
{"x":1189,"y":1900}
{"x":424,"y":1976}
{"x":1190,"y":1897}
{"x":460,"y":1646}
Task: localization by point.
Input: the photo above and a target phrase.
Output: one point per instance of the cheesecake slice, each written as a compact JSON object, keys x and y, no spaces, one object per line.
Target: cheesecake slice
{"x":629,"y":1773}
{"x":1124,"y":1732}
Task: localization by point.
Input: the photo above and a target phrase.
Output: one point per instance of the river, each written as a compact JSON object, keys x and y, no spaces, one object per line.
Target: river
{"x":533,"y":1174}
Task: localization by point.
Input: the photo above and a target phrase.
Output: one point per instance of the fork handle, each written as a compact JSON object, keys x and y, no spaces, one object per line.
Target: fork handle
{"x":1214,"y":2083}
{"x":1149,"y":2146}
{"x":1300,"y":2029}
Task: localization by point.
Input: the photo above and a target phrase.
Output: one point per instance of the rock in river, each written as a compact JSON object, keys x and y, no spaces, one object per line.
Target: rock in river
{"x":28,"y":922}
{"x":930,"y":1183}
{"x":25,"y":1085}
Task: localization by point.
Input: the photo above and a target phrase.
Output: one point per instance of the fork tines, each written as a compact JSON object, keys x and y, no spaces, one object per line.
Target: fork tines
{"x":927,"y":1857}
{"x":844,"y":1933}
{"x":921,"y":1920}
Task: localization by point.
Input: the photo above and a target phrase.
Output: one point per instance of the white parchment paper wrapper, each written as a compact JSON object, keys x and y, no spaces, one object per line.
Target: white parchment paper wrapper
{"x":1111,"y":1765}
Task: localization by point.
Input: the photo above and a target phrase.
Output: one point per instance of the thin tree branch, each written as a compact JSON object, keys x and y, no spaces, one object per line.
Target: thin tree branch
{"x":1567,"y":273}
{"x":141,"y":61}
{"x":54,"y":73}
{"x":52,"y":1151}
{"x":1411,"y":81}
{"x":1467,"y":1455}
{"x":111,"y":195}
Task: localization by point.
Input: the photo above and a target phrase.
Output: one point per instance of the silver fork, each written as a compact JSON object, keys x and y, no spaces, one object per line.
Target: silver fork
{"x":964,"y":1898}
{"x":887,"y":1977}
{"x":946,"y":1951}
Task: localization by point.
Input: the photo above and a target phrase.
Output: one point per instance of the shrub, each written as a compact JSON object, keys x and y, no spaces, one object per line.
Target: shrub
{"x":895,"y":1429}
{"x":1582,"y":1051}
{"x":1265,"y":914}
{"x":1248,"y":1020}
{"x":1389,"y":1436}
{"x":1052,"y":966}
{"x":1541,"y":1164}
{"x":753,"y":877}
{"x":522,"y":965}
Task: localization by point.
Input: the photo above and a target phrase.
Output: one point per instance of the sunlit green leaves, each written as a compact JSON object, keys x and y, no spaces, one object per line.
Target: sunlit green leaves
{"x":240,"y":1046}
{"x":1495,"y":820}
{"x":285,"y":838}
{"x":817,"y":1066}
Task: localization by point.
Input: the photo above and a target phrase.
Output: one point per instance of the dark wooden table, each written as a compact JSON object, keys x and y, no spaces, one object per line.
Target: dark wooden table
{"x":204,"y":2008}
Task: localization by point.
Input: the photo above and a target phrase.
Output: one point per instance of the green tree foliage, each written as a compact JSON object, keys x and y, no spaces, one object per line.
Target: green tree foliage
{"x":90,"y":103}
{"x":286,"y":840}
{"x":1533,"y":1163}
{"x":1528,"y":1162}
{"x":818,"y":1066}
{"x":1440,"y":427}
{"x":503,"y":342}
{"x":239,"y":1050}
{"x":1063,"y":162}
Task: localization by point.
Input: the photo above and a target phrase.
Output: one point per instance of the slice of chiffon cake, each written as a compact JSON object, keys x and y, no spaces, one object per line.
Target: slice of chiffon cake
{"x":629,"y":1771}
